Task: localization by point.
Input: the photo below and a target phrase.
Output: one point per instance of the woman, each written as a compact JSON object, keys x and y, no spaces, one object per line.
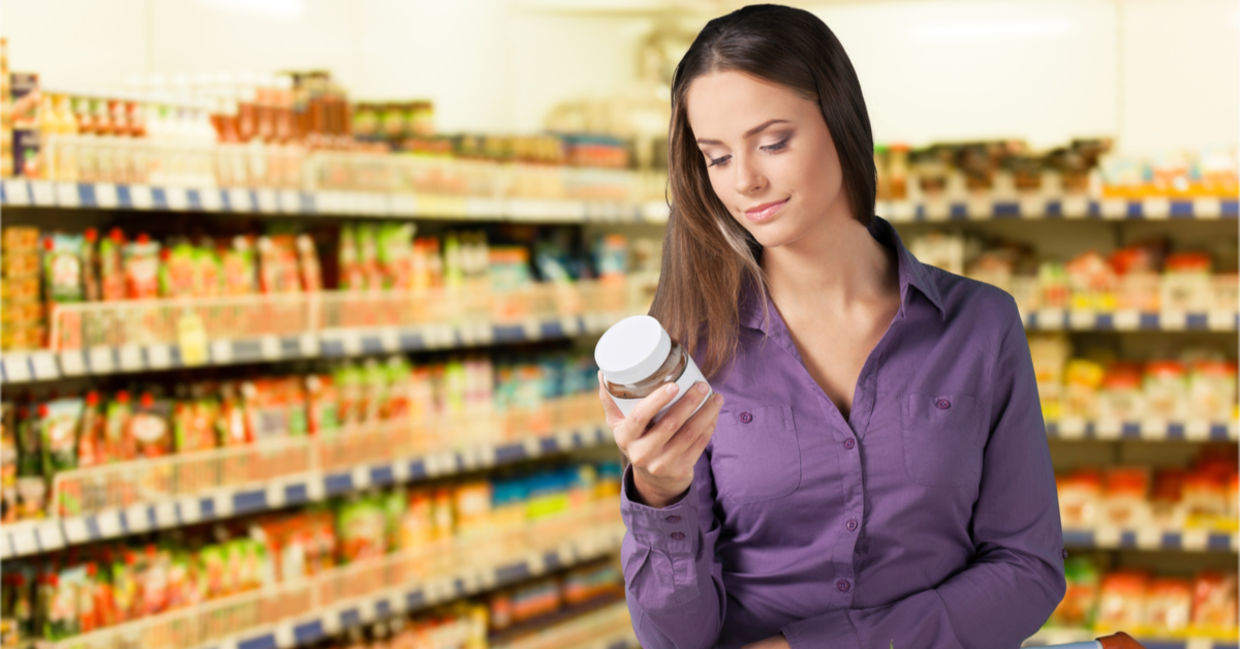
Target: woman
{"x":873,"y":470}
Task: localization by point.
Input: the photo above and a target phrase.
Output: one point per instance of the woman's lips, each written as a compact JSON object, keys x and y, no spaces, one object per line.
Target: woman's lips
{"x":764,"y":212}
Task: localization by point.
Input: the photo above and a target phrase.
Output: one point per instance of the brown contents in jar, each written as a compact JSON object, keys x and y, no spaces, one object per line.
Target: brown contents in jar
{"x":669,"y":372}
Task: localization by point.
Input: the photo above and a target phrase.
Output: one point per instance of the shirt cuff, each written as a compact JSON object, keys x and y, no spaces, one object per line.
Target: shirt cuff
{"x":672,"y":529}
{"x":832,"y":627}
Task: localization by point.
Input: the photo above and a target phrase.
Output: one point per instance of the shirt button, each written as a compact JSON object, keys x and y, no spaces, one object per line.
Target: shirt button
{"x":746,"y":417}
{"x":1065,"y":554}
{"x":843,"y":585}
{"x":679,"y":536}
{"x":942,"y":404}
{"x":849,"y":444}
{"x":672,"y":519}
{"x":851,"y":525}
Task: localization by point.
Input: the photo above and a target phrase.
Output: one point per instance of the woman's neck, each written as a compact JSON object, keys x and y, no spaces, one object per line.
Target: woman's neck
{"x":840,"y":267}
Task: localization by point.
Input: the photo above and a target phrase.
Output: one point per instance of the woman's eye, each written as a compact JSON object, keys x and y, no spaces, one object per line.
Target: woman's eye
{"x":776,"y":146}
{"x":718,"y":162}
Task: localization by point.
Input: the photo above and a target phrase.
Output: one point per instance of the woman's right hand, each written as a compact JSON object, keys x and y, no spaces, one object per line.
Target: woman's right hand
{"x":663,"y":455}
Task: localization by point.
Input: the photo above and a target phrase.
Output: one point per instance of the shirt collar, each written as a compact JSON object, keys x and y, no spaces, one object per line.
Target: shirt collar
{"x":911,"y":273}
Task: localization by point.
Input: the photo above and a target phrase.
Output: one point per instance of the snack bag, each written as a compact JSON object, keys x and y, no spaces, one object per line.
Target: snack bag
{"x":92,"y":445}
{"x":112,"y":278}
{"x":141,"y":259}
{"x":59,"y":421}
{"x":209,"y":271}
{"x":178,"y":272}
{"x":91,"y":288}
{"x":310,"y":273}
{"x":125,"y":587}
{"x":62,"y":268}
{"x":322,"y":404}
{"x":239,"y":268}
{"x":149,"y":427}
{"x":119,"y":444}
{"x":232,"y":424}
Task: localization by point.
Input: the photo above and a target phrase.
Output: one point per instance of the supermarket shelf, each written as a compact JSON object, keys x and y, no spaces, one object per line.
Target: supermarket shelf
{"x":35,"y":537}
{"x":1111,"y":538}
{"x":70,"y":195}
{"x":1039,"y":207}
{"x":24,"y":367}
{"x":306,"y":611}
{"x":1149,"y":430}
{"x":608,"y":627}
{"x":1131,"y":320}
{"x":1065,"y":636}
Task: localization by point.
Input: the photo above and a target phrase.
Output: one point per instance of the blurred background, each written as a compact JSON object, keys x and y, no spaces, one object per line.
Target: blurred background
{"x":299,"y":299}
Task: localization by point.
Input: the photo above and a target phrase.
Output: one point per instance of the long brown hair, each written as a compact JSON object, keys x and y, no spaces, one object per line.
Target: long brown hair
{"x":709,"y":260}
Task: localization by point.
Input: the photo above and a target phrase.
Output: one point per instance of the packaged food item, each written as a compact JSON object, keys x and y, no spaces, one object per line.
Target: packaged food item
{"x":234,"y":428}
{"x":59,"y":422}
{"x":179,"y":270}
{"x":194,"y":424}
{"x":60,"y":603}
{"x":148,"y":427}
{"x":1125,"y":504}
{"x":1166,"y":390}
{"x":322,"y":399}
{"x":361,"y":528}
{"x":113,"y":284}
{"x":1121,"y":601}
{"x":1121,"y":398}
{"x":62,"y":265}
{"x":1082,"y":379}
{"x":90,"y":266}
{"x":308,"y":264}
{"x":1214,"y":604}
{"x":117,"y":439}
{"x":638,"y":357}
{"x":277,"y":264}
{"x":125,"y":588}
{"x":1186,"y":282}
{"x":8,"y":462}
{"x":1204,"y":501}
{"x":141,"y":260}
{"x":1212,"y":390}
{"x":1168,"y":603}
{"x":240,"y":275}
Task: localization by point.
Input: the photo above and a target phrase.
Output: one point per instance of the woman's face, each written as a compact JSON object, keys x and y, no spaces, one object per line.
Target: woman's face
{"x":769,"y":156}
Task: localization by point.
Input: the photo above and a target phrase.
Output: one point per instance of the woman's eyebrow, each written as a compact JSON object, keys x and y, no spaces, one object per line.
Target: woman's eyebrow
{"x":751,"y":132}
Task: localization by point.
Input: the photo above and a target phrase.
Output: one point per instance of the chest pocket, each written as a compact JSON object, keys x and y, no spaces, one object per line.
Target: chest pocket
{"x":755,"y":455}
{"x":944,"y":435}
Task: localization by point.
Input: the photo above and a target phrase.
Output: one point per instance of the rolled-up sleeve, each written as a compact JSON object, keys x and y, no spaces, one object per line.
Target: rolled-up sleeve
{"x":673,"y":582}
{"x":1015,"y":578}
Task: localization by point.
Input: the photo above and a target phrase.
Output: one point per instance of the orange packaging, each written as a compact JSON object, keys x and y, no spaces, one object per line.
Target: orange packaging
{"x":1125,"y":493}
{"x":1121,"y":601}
{"x":1214,"y":604}
{"x":1080,"y":495}
{"x":1168,"y":602}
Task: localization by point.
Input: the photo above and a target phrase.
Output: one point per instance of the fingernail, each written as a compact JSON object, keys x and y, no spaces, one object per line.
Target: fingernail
{"x":699,"y":388}
{"x":671,"y":388}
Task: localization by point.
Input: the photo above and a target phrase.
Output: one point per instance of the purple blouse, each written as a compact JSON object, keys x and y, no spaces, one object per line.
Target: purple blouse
{"x":926,"y":519}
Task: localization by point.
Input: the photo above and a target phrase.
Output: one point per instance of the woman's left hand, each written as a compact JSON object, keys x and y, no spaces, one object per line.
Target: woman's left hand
{"x":773,"y":642}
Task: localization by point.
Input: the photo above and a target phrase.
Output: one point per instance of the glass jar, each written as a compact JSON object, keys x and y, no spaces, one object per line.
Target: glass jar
{"x":637,"y":357}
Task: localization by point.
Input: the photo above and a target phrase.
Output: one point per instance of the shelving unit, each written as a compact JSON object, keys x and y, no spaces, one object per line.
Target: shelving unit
{"x":526,"y":553}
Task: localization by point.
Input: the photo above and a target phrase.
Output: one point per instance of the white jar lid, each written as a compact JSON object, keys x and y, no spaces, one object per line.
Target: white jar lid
{"x":632,"y":349}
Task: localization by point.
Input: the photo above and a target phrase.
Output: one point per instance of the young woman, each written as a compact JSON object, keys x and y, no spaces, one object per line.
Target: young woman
{"x":873,"y":470}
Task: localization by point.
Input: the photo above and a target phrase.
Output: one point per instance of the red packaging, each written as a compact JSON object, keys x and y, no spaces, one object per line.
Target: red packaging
{"x":142,"y":269}
{"x":149,"y":427}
